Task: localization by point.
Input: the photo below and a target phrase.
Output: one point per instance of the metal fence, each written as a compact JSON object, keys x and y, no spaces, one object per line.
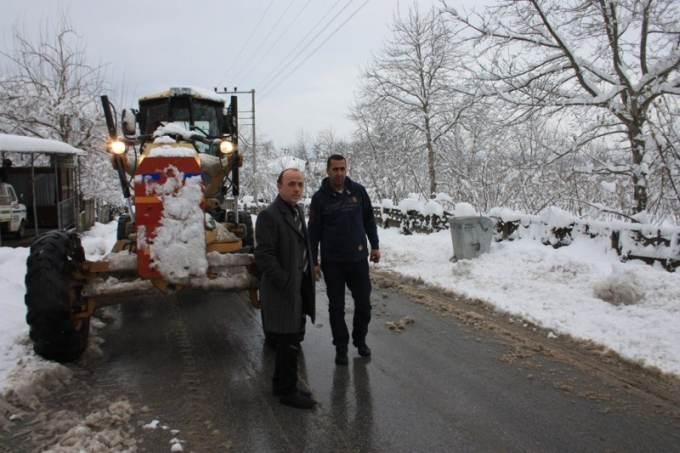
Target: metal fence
{"x":66,"y":213}
{"x":87,"y":214}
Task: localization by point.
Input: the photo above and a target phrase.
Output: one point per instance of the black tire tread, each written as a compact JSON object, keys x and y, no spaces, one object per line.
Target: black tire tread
{"x":53,"y":259}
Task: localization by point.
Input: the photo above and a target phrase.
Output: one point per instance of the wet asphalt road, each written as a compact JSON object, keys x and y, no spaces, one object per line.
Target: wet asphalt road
{"x":196,"y":362}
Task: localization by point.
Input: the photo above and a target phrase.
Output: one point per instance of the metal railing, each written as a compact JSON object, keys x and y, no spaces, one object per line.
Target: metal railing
{"x":66,"y":217}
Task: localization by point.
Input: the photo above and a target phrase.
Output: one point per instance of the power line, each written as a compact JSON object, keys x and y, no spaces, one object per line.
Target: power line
{"x":277,"y":40}
{"x":300,"y":42}
{"x":253,"y":56}
{"x":245,"y":43}
{"x":281,"y":68}
{"x":269,"y":90}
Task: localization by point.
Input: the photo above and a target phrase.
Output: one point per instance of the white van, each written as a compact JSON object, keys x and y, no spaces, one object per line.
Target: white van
{"x":12,"y":213}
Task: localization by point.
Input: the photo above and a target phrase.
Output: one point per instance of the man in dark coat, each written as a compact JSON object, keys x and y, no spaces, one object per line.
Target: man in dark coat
{"x":283,"y":259}
{"x":340,"y":219}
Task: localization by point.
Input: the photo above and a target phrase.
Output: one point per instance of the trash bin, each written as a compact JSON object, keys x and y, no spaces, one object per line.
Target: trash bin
{"x":471,"y":236}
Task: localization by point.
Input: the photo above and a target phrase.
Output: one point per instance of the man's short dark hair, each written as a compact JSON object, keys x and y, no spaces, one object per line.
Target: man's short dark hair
{"x":279,"y":180}
{"x":333,"y":157}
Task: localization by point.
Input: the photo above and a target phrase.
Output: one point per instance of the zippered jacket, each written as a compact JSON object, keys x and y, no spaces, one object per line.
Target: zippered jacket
{"x":340,"y":222}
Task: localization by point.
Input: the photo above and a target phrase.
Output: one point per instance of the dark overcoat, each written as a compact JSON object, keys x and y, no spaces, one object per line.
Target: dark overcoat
{"x":286,"y":293}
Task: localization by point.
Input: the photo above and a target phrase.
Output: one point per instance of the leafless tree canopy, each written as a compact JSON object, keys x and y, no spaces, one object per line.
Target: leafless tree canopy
{"x":609,"y":62}
{"x":49,"y":90}
{"x":527,"y":104}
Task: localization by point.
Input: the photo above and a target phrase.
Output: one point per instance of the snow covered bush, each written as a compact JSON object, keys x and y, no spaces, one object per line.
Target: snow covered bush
{"x":619,"y":289}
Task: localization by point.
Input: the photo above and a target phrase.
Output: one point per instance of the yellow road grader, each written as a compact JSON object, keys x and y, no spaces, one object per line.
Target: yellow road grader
{"x":177,"y":160}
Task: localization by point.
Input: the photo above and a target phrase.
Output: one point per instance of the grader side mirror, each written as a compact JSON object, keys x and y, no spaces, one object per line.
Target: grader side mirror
{"x":128,"y":122}
{"x":229,"y":122}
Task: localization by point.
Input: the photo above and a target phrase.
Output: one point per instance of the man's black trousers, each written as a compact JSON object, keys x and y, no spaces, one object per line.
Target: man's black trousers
{"x":285,"y":377}
{"x":355,"y":276}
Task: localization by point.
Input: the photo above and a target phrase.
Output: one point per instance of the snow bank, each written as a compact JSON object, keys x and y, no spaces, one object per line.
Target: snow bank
{"x":24,"y":377}
{"x":582,"y":290}
{"x":105,"y":430}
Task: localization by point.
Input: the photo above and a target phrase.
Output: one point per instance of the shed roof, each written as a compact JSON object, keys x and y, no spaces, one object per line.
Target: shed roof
{"x":22,"y":144}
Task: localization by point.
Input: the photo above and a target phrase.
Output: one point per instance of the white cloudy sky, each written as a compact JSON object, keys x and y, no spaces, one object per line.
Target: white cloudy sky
{"x":153,"y":44}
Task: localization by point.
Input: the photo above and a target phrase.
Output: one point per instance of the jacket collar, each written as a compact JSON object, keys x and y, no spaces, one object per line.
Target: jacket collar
{"x":288,"y":212}
{"x":283,"y":206}
{"x":326,"y":186}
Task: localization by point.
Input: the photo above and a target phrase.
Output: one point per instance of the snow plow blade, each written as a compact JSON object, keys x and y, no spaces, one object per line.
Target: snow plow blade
{"x":226,"y":272}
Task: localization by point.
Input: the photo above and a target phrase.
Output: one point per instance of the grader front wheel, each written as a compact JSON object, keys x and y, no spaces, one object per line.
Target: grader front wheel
{"x":53,"y":297}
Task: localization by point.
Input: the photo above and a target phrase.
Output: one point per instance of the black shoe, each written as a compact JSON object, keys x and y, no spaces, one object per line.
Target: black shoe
{"x":364,"y":350}
{"x":341,"y":356}
{"x":297,"y":400}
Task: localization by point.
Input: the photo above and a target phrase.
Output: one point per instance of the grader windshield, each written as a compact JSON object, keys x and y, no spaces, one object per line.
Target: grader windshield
{"x":204,"y":116}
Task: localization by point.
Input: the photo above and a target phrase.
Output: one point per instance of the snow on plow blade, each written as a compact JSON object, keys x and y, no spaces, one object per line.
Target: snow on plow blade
{"x":232,"y":271}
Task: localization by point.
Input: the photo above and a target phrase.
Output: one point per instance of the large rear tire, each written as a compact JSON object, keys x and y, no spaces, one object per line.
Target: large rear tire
{"x":53,"y":295}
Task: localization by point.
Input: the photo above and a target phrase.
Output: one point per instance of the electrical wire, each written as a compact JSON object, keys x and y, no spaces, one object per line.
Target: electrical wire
{"x":272,"y":76}
{"x":279,"y":38}
{"x":245,"y":43}
{"x":269,"y":90}
{"x":242,"y":72}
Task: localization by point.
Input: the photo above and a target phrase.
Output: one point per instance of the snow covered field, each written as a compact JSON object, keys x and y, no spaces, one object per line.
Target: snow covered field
{"x":581,"y":290}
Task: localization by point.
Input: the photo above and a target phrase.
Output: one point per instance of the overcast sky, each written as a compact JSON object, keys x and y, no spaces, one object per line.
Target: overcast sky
{"x":148,"y":45}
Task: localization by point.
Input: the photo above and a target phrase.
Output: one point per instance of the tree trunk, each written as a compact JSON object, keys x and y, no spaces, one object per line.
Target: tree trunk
{"x":637,"y":145}
{"x":430,"y":157}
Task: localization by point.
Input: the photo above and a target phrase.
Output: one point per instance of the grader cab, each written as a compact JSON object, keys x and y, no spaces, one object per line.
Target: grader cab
{"x":178,"y":161}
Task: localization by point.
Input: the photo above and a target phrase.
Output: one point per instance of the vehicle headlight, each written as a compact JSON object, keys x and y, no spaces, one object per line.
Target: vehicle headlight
{"x":117,"y":147}
{"x":227,"y":147}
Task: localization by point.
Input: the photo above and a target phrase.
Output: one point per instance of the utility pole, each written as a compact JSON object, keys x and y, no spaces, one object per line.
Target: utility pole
{"x":254,"y":149}
{"x":252,"y":111}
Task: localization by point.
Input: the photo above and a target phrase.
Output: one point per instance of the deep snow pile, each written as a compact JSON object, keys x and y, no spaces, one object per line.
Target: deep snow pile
{"x":581,"y":290}
{"x":178,"y":250}
{"x":13,"y":331}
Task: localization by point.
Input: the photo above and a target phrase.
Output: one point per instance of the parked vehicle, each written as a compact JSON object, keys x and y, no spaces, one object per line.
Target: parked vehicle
{"x":12,"y":212}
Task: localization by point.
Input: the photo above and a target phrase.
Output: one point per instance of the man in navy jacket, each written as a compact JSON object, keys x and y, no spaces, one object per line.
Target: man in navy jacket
{"x":340,"y":219}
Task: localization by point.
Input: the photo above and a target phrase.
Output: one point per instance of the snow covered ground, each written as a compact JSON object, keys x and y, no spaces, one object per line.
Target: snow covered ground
{"x":581,"y":290}
{"x":21,"y":371}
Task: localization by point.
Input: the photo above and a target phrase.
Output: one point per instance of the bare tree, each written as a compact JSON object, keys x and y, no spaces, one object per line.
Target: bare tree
{"x":413,"y":74}
{"x":616,"y":57}
{"x":262,"y":179}
{"x":386,"y":156}
{"x":665,"y":135}
{"x":50,"y":91}
{"x":53,"y":92}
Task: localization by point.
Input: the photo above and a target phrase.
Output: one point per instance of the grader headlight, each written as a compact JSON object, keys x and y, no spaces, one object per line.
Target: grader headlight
{"x":227,"y":147}
{"x":117,"y":147}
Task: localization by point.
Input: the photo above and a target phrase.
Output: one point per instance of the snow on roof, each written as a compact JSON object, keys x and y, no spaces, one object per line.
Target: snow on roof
{"x":200,"y":93}
{"x":276,"y":166}
{"x":22,"y":144}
